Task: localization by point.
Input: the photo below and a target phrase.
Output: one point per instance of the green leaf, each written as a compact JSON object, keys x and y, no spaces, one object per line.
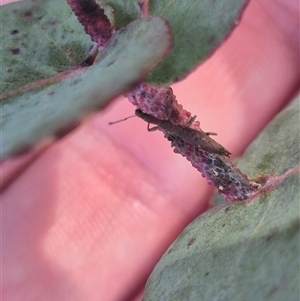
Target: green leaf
{"x":125,"y":11}
{"x":198,"y":28}
{"x":39,"y":40}
{"x":47,"y":92}
{"x":243,"y":251}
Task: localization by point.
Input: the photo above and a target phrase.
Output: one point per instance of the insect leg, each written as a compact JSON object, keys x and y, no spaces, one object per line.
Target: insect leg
{"x":211,"y":134}
{"x":191,"y":121}
{"x":155,"y":128}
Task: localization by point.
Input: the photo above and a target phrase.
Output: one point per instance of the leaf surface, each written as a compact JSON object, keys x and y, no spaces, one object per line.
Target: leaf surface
{"x":45,"y":92}
{"x":243,"y":251}
{"x":198,"y":27}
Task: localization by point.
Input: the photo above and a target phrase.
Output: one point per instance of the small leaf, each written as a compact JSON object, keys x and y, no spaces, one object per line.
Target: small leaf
{"x":198,"y":27}
{"x":243,"y":251}
{"x":50,"y":102}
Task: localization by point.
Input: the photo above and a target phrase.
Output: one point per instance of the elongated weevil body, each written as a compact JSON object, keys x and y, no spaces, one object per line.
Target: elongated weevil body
{"x":198,"y":139}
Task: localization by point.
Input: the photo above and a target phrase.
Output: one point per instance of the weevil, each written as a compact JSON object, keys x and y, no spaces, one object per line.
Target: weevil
{"x":197,"y":138}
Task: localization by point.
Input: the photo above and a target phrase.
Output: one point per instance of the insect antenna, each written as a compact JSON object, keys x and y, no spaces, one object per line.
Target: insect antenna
{"x":124,"y":119}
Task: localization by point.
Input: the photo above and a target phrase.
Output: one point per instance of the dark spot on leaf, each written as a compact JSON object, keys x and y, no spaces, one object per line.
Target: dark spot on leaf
{"x":15,"y":51}
{"x":72,"y":31}
{"x":226,"y":209}
{"x":212,"y":40}
{"x":54,"y":22}
{"x":9,"y":70}
{"x":169,"y":251}
{"x":111,"y":63}
{"x":191,"y":242}
{"x":15,"y":31}
{"x":224,"y":225}
{"x":28,"y":14}
{"x":206,"y":274}
{"x":51,"y":93}
{"x":40,"y":18}
{"x":269,"y":237}
{"x":272,"y":291}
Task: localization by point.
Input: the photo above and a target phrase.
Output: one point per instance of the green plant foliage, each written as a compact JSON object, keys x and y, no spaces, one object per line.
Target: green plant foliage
{"x":198,"y":27}
{"x":47,"y":92}
{"x":243,"y":251}
{"x":124,"y":11}
{"x":39,"y":40}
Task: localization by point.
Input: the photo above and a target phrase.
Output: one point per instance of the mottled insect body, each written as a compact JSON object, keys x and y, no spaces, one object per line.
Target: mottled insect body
{"x":207,"y":156}
{"x":197,"y":138}
{"x":219,"y":172}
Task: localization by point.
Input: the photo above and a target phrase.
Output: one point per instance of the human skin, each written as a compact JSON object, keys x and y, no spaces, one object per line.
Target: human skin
{"x":90,"y":216}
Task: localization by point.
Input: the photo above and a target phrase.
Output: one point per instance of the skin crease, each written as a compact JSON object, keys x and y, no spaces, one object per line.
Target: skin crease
{"x":90,"y":216}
